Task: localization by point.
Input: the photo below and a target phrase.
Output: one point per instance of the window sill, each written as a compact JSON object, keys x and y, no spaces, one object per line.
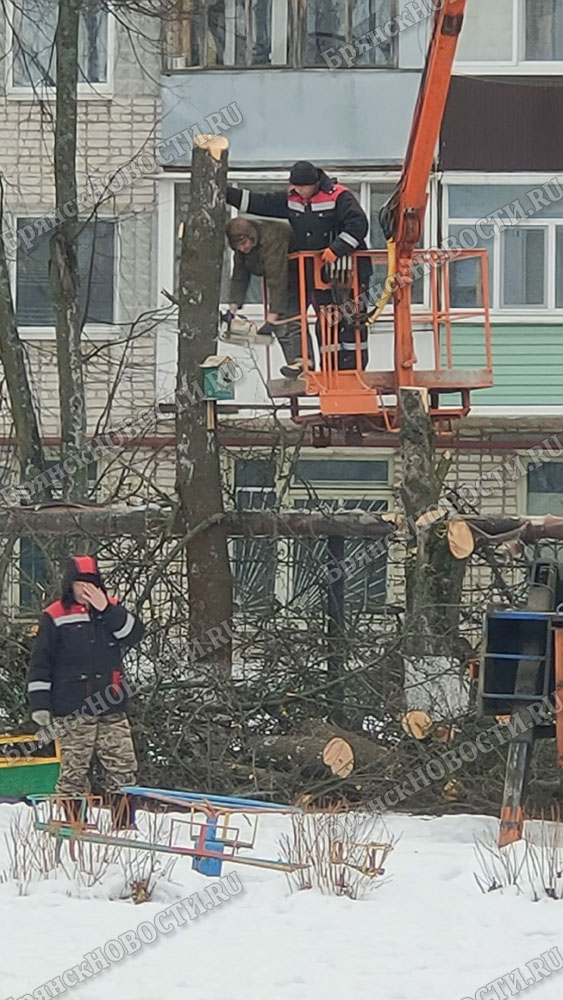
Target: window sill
{"x":282,"y":67}
{"x":29,"y":95}
{"x":93,"y":333}
{"x":509,"y":69}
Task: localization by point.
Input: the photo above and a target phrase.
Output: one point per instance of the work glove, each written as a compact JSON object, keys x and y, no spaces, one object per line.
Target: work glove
{"x":267,"y":329}
{"x":42,"y":718}
{"x":329,"y":256}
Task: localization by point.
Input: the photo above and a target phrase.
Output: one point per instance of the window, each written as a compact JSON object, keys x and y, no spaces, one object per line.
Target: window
{"x":365,"y":586}
{"x":255,"y":33}
{"x":33,"y":32}
{"x":545,"y":488}
{"x":524,"y":263}
{"x":379,"y":194}
{"x":228,"y":33}
{"x":521,"y":227}
{"x":544,"y":30}
{"x":254,"y":559}
{"x":512,"y":32}
{"x":340,"y":484}
{"x":35,"y":562}
{"x":96,"y":259}
{"x":370,"y":195}
{"x":327,"y":25}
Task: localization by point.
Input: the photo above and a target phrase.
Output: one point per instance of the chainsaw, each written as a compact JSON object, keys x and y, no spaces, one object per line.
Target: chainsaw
{"x":240,"y":330}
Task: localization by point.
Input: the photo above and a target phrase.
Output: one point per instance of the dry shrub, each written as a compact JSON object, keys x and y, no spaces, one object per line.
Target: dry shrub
{"x":342,"y":853}
{"x":533,"y":866}
{"x":32,"y":853}
{"x":36,"y":855}
{"x":144,"y":870}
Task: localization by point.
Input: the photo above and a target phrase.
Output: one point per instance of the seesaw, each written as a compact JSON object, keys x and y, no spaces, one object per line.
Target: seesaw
{"x":216,"y":839}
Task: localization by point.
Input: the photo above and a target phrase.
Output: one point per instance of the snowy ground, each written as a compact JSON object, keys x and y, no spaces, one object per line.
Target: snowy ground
{"x":427,"y":934}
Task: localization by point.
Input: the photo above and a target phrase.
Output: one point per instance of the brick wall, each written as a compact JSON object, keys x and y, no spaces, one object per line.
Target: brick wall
{"x":113,"y":131}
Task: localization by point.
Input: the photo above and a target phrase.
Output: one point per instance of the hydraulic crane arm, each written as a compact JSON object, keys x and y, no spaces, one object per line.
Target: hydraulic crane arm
{"x":402,"y":217}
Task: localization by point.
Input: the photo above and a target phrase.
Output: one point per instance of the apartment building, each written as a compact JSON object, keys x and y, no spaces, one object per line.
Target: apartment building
{"x":336,"y":83}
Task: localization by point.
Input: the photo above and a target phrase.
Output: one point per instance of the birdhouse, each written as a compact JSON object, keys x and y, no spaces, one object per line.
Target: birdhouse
{"x":219,"y":376}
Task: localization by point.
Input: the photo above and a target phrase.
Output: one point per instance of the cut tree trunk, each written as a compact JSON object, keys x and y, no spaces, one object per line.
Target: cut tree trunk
{"x":116,"y":519}
{"x":198,"y":473}
{"x":63,"y":264}
{"x":322,"y":749}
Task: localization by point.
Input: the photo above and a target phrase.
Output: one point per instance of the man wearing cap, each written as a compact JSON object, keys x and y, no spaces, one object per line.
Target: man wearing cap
{"x":324,"y":215}
{"x":76,"y":679}
{"x":261,"y":248}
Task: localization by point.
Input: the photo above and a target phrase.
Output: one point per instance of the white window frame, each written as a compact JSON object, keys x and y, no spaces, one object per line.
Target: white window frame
{"x":522,"y":484}
{"x":92,"y":331}
{"x":518,"y":64}
{"x":509,"y":314}
{"x":85,"y":91}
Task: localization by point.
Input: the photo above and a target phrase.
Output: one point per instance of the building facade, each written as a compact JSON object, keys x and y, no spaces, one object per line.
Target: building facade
{"x":334,"y":82}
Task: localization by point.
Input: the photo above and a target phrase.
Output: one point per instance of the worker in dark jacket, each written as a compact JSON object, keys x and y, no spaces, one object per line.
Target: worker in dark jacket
{"x":324,"y":215}
{"x":261,"y":248}
{"x":76,"y":677}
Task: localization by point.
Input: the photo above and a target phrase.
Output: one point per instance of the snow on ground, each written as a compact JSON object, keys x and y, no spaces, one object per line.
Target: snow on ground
{"x":426,"y":934}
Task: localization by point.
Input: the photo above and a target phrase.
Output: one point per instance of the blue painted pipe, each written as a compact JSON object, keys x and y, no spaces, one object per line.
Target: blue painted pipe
{"x":219,"y":800}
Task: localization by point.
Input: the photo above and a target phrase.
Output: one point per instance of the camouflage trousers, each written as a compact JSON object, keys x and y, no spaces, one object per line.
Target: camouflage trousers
{"x":110,"y":739}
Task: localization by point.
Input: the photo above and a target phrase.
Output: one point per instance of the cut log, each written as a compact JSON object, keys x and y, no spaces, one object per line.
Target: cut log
{"x":322,"y":747}
{"x":460,"y":539}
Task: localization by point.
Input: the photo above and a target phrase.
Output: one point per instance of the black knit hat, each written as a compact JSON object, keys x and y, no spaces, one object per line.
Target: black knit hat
{"x":83,"y":568}
{"x":303,"y":172}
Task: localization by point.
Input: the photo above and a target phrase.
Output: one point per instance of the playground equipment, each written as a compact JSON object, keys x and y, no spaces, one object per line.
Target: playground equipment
{"x":216,"y":838}
{"x":520,"y":680}
{"x":34,"y":771}
{"x":372,"y":395}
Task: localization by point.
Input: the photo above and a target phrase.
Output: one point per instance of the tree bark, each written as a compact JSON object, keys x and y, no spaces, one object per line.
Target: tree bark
{"x":434,"y":578}
{"x":115,"y":520}
{"x":27,"y":439}
{"x":198,"y":475}
{"x":305,"y":750}
{"x":63,"y":264}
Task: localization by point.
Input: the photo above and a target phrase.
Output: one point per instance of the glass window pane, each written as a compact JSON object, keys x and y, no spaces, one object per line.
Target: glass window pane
{"x":487,"y":32}
{"x":254,"y":559}
{"x":364,"y":587}
{"x":366,"y":16}
{"x":253,"y":42}
{"x":466,"y":289}
{"x":33,"y":574}
{"x":330,"y":24}
{"x":379,"y":195}
{"x":254,"y":294}
{"x":514,"y":201}
{"x":545,"y":489}
{"x":258,"y":473}
{"x":524,"y":267}
{"x":34,"y":24}
{"x":96,"y":256}
{"x":559,"y":268}
{"x":342,"y":471}
{"x":544,"y":29}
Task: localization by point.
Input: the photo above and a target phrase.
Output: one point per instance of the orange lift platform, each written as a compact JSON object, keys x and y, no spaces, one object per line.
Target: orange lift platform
{"x":357,"y":393}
